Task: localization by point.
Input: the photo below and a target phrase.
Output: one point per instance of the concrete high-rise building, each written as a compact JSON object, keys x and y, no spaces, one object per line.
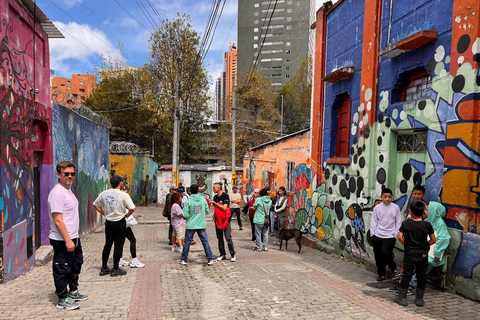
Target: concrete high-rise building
{"x":273,"y":37}
{"x":79,"y":86}
{"x":225,"y":84}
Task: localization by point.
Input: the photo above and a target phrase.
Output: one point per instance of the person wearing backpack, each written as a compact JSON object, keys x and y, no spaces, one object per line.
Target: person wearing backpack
{"x":280,"y":212}
{"x":262,"y":207}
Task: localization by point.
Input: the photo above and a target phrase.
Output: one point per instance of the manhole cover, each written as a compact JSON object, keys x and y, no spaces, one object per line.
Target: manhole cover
{"x":282,"y":268}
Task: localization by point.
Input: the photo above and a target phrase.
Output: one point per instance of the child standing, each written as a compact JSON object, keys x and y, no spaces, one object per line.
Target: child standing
{"x":414,"y":234}
{"x":178,"y":223}
{"x":384,"y":225}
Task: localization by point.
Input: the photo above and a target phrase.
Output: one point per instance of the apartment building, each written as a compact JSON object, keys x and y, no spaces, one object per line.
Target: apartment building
{"x":225,"y":85}
{"x":79,"y":86}
{"x":273,"y":37}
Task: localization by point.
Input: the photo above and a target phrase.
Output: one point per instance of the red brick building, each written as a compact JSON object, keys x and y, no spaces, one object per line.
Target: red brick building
{"x":79,"y":86}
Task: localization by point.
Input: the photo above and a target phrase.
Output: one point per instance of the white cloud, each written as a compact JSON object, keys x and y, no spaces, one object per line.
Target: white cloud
{"x":67,"y":4}
{"x":80,"y":46}
{"x":129,"y":23}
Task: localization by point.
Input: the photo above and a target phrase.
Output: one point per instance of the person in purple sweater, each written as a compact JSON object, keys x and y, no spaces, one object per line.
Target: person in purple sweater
{"x":384,"y":226}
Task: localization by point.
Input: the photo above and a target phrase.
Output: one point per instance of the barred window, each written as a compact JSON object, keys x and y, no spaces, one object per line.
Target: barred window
{"x":418,"y":87}
{"x":290,"y":176}
{"x":412,"y":141}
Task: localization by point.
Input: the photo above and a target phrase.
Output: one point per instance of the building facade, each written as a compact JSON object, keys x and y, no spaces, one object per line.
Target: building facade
{"x":79,"y":86}
{"x":273,"y":37}
{"x":225,"y":85}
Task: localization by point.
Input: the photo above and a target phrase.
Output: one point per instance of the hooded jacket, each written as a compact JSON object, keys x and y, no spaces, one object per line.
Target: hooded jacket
{"x":221,"y":218}
{"x":262,"y":205}
{"x":194,"y":212}
{"x":436,"y":213}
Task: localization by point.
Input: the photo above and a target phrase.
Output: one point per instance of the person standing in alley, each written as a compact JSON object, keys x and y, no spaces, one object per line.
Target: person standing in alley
{"x":235,"y":200}
{"x":64,"y":238}
{"x":113,"y":204}
{"x":262,"y":207}
{"x":222,"y":218}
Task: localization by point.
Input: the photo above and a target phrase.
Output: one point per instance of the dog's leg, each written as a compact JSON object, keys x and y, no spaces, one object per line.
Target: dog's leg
{"x":298,"y":240}
{"x":286,"y":245}
{"x":281,"y":241}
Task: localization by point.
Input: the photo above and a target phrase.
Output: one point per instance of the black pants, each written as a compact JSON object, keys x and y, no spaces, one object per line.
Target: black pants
{"x":239,"y":218}
{"x":383,"y":250}
{"x":170,"y":231}
{"x":415,"y":263}
{"x":253,"y":228}
{"x":133,"y":242}
{"x":66,"y":266}
{"x":228,"y":236}
{"x":114,"y":233}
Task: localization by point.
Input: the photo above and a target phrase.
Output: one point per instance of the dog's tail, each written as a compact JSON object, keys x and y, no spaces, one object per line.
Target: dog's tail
{"x":303,"y":229}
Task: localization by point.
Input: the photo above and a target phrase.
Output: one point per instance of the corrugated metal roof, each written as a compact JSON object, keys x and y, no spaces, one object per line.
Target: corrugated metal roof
{"x":278,"y":139}
{"x":47,"y":25}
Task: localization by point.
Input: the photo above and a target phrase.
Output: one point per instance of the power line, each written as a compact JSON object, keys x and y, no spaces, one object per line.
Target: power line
{"x":147,"y":14}
{"x":63,"y":30}
{"x":132,"y":16}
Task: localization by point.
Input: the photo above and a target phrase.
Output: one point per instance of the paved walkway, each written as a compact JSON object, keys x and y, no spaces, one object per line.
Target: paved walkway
{"x":266,"y":285}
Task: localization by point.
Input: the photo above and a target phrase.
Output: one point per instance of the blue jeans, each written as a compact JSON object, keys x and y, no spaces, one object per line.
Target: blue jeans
{"x":202,"y":234}
{"x":261,"y":230}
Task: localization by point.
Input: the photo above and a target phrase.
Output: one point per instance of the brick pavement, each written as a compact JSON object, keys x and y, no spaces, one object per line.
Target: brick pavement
{"x":266,"y":285}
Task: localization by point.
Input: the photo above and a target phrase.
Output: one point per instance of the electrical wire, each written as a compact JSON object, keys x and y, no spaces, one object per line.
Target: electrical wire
{"x":147,"y":14}
{"x":132,"y":16}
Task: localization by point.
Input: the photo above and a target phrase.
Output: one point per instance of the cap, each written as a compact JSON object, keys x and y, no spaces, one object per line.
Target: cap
{"x":234,"y":187}
{"x":173,"y":188}
{"x":181,"y":189}
{"x":115,"y":180}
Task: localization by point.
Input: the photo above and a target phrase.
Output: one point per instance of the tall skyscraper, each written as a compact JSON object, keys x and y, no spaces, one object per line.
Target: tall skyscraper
{"x":273,"y":37}
{"x":225,"y":84}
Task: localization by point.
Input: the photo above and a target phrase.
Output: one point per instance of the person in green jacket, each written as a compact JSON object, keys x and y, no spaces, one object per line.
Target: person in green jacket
{"x":262,"y":206}
{"x":194,"y":212}
{"x":435,"y":214}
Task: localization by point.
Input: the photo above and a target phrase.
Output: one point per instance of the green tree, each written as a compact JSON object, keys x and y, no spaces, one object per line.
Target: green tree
{"x":296,"y":99}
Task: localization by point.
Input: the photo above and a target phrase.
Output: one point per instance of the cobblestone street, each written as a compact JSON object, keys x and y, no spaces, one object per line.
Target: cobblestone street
{"x":259,"y":285}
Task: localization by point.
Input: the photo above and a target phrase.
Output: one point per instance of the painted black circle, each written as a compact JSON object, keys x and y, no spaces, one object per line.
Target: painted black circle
{"x":360,"y":151}
{"x":478,"y":80}
{"x":407,"y":171}
{"x":339,"y":210}
{"x":383,"y":133}
{"x":367,"y":131}
{"x":361,"y":162}
{"x":334,"y":179}
{"x":403,"y":186}
{"x":352,"y":150}
{"x":355,"y":158}
{"x":355,"y":140}
{"x":330,"y":190}
{"x":327,"y":174}
{"x":364,"y":112}
{"x":381,"y":176}
{"x":380,"y":117}
{"x":417,"y":179}
{"x":458,"y":83}
{"x":348,"y":231}
{"x":343,"y":188}
{"x":342,"y":243}
{"x":364,"y":147}
{"x":431,"y":64}
{"x":342,"y":170}
{"x":359,"y":186}
{"x":422,"y":104}
{"x":379,"y":141}
{"x":476,"y":57}
{"x":463,"y":43}
{"x":380,"y":158}
{"x":351,"y":185}
{"x":388,"y":122}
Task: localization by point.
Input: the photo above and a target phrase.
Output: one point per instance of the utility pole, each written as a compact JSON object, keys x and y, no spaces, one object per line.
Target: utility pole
{"x":234,"y":172}
{"x":176,"y":135}
{"x":281,"y":121}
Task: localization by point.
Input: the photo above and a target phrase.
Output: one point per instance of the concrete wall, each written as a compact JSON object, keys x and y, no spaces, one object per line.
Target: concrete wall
{"x":141,"y":173}
{"x":347,"y":191}
{"x":26,"y":128}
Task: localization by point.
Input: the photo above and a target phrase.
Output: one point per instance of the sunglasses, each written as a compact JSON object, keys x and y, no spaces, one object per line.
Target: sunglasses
{"x":66,"y":174}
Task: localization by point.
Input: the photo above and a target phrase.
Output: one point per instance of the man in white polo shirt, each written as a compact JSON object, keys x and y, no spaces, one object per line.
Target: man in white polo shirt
{"x":113,"y":204}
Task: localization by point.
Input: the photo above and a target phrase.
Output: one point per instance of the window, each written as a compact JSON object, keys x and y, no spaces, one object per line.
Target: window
{"x":82,"y":82}
{"x":290,"y":176}
{"x":288,"y":44}
{"x":276,"y":75}
{"x":255,"y":45}
{"x":287,"y":60}
{"x":257,"y":5}
{"x":289,"y":18}
{"x":289,"y":35}
{"x":82,"y":90}
{"x":343,"y":128}
{"x":287,"y":51}
{"x":287,"y":76}
{"x":256,"y":13}
{"x":289,"y":10}
{"x":287,"y":68}
{"x":69,"y":87}
{"x":289,"y":1}
{"x":412,"y":141}
{"x":255,"y":21}
{"x":417,"y":87}
{"x":255,"y":29}
{"x":289,"y":27}
{"x":255,"y":38}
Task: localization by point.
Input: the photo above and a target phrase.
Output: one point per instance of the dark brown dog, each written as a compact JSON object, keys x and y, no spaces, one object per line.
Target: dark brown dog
{"x":287,"y":234}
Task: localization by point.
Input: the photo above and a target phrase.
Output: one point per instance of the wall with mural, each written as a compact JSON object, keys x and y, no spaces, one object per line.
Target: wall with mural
{"x":85,"y":143}
{"x":430,"y":48}
{"x":26,"y":135}
{"x":140,"y":171}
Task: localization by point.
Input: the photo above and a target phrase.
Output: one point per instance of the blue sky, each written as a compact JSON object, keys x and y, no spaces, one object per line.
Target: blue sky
{"x":95,"y":27}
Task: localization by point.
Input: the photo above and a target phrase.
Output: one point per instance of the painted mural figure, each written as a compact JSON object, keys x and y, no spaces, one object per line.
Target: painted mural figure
{"x":64,"y":238}
{"x":130,"y":220}
{"x":113,"y":204}
{"x":222,"y":218}
{"x":417,"y":236}
{"x":194,"y":212}
{"x":384,"y":226}
{"x":262,"y":207}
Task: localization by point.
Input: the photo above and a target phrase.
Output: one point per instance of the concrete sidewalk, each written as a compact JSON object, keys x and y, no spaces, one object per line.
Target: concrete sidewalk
{"x":264,"y":285}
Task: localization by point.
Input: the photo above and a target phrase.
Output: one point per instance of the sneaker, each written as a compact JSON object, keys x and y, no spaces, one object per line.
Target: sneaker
{"x":180,"y":249}
{"x":67,"y":304}
{"x":276,"y":242}
{"x":265,"y":249}
{"x":380,"y":278}
{"x":257,"y":249}
{"x":123,"y":263}
{"x":182,"y":262}
{"x":118,"y":272}
{"x":234,"y":258}
{"x":393,"y":289}
{"x":77,"y":296}
{"x":409,"y":292}
{"x":136,"y":263}
{"x":104,"y":272}
{"x":173,"y":248}
{"x":193,"y":242}
{"x":240,"y":228}
{"x":221,"y":258}
{"x":211,"y":262}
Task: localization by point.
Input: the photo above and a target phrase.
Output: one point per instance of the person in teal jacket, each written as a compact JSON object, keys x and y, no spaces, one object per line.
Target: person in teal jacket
{"x":435,"y":214}
{"x":262,"y":206}
{"x":194,"y":211}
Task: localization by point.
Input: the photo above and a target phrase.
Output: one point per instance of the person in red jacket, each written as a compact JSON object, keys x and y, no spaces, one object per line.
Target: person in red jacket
{"x":251,"y":212}
{"x":222,"y":217}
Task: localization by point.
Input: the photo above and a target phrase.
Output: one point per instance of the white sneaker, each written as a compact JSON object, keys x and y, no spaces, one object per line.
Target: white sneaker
{"x":136,"y":264}
{"x":179,"y":249}
{"x":123,"y":263}
{"x":234,"y":258}
{"x":265,"y":249}
{"x":173,"y":248}
{"x":220,"y":258}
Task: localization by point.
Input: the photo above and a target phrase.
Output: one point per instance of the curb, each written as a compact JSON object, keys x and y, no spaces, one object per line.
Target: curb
{"x":317,"y":244}
{"x":43,"y":255}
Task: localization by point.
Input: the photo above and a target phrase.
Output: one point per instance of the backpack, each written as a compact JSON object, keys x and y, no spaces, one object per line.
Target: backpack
{"x":267,"y":216}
